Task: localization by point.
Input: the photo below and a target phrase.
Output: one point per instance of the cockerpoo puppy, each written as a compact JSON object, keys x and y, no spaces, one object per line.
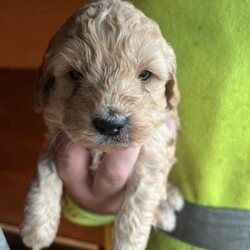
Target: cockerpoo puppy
{"x":108,"y":80}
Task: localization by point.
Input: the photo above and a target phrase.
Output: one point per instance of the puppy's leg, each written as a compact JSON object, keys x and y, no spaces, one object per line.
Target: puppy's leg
{"x":144,"y":190}
{"x":168,"y":208}
{"x":42,"y":209}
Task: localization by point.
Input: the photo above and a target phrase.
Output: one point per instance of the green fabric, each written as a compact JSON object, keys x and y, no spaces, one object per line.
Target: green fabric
{"x":161,"y":241}
{"x":76,"y":214}
{"x":212,"y":43}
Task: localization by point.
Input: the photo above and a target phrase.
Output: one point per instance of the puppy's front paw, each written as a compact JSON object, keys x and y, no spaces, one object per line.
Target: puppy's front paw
{"x":37,"y":238}
{"x":42,"y":209}
{"x":168,"y":208}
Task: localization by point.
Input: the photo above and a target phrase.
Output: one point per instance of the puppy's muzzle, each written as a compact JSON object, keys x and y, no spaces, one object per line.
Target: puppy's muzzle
{"x":111,"y":125}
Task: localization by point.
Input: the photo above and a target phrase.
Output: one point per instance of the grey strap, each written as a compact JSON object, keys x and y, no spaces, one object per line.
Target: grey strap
{"x":213,"y":228}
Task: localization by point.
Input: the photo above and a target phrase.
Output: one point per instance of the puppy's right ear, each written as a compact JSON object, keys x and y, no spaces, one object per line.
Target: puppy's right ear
{"x":46,"y":78}
{"x":45,"y":85}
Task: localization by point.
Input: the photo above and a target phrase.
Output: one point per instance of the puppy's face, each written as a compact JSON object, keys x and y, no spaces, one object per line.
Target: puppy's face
{"x":106,"y":76}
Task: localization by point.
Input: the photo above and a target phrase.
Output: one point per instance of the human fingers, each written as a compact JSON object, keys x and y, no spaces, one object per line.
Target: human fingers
{"x":113,"y":172}
{"x":72,"y":160}
{"x":72,"y":163}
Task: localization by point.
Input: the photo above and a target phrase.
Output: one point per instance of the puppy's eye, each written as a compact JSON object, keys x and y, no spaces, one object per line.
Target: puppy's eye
{"x":145,"y":75}
{"x":75,"y":75}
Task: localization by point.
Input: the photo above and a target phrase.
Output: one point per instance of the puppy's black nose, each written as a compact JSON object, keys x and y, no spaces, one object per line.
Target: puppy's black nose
{"x":110,"y":125}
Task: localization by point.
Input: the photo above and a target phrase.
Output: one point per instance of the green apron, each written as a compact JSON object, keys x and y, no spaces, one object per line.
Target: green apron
{"x":211,"y":40}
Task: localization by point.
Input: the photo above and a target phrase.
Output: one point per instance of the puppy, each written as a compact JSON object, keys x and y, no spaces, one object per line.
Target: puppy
{"x":108,"y":80}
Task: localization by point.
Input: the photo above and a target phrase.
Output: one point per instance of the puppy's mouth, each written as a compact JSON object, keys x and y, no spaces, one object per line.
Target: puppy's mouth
{"x":120,"y":138}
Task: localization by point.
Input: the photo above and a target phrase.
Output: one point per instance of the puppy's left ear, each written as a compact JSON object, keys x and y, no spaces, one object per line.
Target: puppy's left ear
{"x":171,"y":88}
{"x":172,"y":92}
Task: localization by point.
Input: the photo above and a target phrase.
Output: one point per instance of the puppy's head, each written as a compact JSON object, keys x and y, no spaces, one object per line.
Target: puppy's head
{"x":106,"y":75}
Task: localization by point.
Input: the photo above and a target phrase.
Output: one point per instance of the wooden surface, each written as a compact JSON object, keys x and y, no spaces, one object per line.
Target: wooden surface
{"x":26,"y":28}
{"x":21,"y":139}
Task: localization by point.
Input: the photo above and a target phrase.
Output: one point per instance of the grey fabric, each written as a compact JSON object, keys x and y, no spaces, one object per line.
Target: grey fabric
{"x":213,"y":228}
{"x":3,"y":242}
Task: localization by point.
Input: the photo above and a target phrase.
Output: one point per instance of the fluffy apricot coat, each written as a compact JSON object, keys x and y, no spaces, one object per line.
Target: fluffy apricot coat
{"x":107,"y":44}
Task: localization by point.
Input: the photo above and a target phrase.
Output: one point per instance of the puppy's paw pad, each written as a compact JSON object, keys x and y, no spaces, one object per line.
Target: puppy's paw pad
{"x":37,"y":238}
{"x":174,"y":197}
{"x":168,"y":208}
{"x":167,"y":220}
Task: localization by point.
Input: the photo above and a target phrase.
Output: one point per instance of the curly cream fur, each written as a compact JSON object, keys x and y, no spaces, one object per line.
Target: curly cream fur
{"x":109,"y":42}
{"x":42,"y":210}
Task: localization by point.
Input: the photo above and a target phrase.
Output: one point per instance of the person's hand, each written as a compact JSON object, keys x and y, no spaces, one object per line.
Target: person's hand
{"x":102,"y":192}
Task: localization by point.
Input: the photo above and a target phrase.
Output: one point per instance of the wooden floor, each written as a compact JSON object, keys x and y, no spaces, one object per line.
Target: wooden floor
{"x":21,"y":139}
